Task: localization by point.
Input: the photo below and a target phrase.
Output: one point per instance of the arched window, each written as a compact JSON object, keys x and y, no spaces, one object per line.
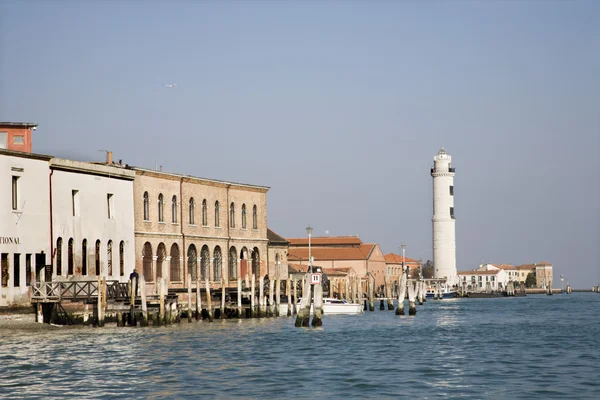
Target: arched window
{"x":175,"y":274}
{"x":161,"y":254}
{"x":147,"y":262}
{"x":121,"y":259}
{"x":161,"y":207}
{"x":255,"y":262}
{"x":243,"y":216}
{"x":254,"y":218}
{"x":97,"y":257}
{"x":217,"y":264}
{"x":59,"y":256}
{"x":174,"y":209}
{"x":232,"y":263}
{"x":192,"y":206}
{"x":84,"y":265}
{"x":217,"y":213}
{"x":146,"y":207}
{"x":232,"y":215}
{"x":109,"y":257}
{"x":192,"y":262}
{"x":70,"y":257}
{"x":204,"y":213}
{"x":204,"y":262}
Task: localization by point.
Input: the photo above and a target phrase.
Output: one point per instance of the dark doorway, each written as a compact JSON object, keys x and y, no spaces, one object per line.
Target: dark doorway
{"x":40,"y":265}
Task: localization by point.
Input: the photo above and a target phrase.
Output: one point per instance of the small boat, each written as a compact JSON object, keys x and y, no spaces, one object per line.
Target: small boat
{"x":330,"y":307}
{"x":446,"y":293}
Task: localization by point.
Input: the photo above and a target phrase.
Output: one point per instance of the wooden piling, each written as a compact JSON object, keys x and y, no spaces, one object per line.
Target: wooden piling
{"x":271,"y":297}
{"x":261,"y":293}
{"x":99,"y":304}
{"x":189,"y":302}
{"x":412,"y":310}
{"x":303,"y":316}
{"x":132,"y":294}
{"x":401,"y":294}
{"x":295,"y":299}
{"x":239,"y":297}
{"x":223,"y":298}
{"x":142,"y":286}
{"x":253,"y":297}
{"x":198,"y":299}
{"x":161,"y":297}
{"x":303,"y":286}
{"x":371,"y":283}
{"x":288,"y":293}
{"x":388,"y":293}
{"x":277,"y":296}
{"x":318,"y":305}
{"x":208,"y":301}
{"x":119,"y":319}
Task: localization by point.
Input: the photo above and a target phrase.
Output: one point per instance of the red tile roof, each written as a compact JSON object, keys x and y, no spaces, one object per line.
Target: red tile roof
{"x":396,"y":258}
{"x":494,"y":272}
{"x":331,"y":253}
{"x":326,"y":241}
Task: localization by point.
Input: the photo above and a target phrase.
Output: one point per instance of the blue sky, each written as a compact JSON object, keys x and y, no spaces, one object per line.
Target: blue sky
{"x":339,"y":107}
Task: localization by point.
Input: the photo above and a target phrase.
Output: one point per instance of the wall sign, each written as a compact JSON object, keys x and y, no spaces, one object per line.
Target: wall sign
{"x":9,"y":240}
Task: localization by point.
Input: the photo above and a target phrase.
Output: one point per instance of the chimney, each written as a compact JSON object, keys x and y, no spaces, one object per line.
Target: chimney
{"x":109,"y":157}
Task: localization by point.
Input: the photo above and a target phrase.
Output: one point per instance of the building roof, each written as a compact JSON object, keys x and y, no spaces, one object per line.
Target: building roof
{"x":397,"y":259}
{"x":326,"y":241}
{"x":361,"y":252}
{"x":301,"y":269}
{"x":532,"y":266}
{"x":493,"y":272}
{"x":24,"y":154}
{"x":275,"y":239}
{"x":18,"y":124}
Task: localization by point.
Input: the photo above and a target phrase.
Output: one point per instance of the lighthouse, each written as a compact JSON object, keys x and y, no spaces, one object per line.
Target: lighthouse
{"x":444,"y":242}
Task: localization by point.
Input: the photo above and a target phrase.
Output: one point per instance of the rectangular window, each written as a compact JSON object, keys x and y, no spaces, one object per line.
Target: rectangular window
{"x":17,"y":270}
{"x":18,"y":139}
{"x":27,"y":269}
{"x":75,"y":202}
{"x":15,"y":192}
{"x":451,"y":190}
{"x":110,"y":205}
{"x":4,"y":270}
{"x":452,"y":212}
{"x":3,"y":136}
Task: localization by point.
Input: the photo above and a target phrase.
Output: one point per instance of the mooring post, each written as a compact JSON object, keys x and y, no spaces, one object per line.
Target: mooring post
{"x":277,"y":295}
{"x":239,"y":297}
{"x":288,"y":293}
{"x":261,"y":292}
{"x":318,"y":306}
{"x":303,"y":317}
{"x":303,"y":286}
{"x":271,"y":297}
{"x":144,"y":303}
{"x":401,"y":294}
{"x":161,"y":300}
{"x":371,"y":281}
{"x":132,"y":293}
{"x":39,"y":315}
{"x":412,"y":310}
{"x":253,"y":296}
{"x":198,"y":299}
{"x":99,"y":303}
{"x":189,"y":302}
{"x":165,"y":283}
{"x":104,"y":300}
{"x":223,"y":292}
{"x":208,"y":301}
{"x":295,"y":299}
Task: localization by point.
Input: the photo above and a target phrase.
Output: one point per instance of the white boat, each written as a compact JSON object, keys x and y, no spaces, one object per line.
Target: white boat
{"x":330,"y":307}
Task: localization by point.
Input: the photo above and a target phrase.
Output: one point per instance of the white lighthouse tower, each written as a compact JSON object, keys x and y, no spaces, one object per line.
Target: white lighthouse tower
{"x":444,"y":241}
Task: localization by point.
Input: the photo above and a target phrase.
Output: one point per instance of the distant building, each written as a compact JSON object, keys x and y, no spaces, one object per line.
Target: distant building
{"x":394,"y":265}
{"x":443,"y":220}
{"x":277,"y":256}
{"x":478,"y":280}
{"x":341,"y":252}
{"x":543,"y":272}
{"x":16,"y":136}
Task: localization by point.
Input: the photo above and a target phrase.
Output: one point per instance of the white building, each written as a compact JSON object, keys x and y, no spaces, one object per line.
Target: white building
{"x":477,"y":280}
{"x":444,"y":241}
{"x":25,"y":244}
{"x":92,"y":220}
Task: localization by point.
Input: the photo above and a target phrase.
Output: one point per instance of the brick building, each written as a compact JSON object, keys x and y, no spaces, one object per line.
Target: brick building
{"x":16,"y":136}
{"x":207,"y":228}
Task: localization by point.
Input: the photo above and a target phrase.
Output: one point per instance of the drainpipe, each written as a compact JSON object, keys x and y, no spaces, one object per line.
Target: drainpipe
{"x":51,"y":231}
{"x":181,"y":228}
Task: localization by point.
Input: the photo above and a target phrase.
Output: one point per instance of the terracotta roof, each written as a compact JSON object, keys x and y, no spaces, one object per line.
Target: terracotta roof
{"x":332,"y":253}
{"x":396,"y":258}
{"x":478,"y":272}
{"x":275,"y":239}
{"x":300,"y":269}
{"x":326,"y":241}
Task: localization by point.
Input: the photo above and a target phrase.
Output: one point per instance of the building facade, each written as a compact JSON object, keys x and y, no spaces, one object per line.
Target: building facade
{"x":92,"y":221}
{"x":481,"y":280}
{"x":277,"y":260}
{"x":443,"y":220}
{"x":394,"y":265}
{"x":206,"y":228}
{"x":16,"y":136}
{"x":25,"y":241}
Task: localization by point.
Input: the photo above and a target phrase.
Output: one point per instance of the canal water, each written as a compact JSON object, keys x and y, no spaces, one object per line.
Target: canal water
{"x":520,"y":348}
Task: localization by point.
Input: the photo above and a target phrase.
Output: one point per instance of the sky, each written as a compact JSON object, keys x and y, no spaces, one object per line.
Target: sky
{"x":339,"y":107}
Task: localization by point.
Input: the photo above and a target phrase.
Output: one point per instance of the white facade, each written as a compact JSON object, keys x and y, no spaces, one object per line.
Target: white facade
{"x":476,"y":281}
{"x":24,"y":224}
{"x":92,"y":220}
{"x":444,"y":242}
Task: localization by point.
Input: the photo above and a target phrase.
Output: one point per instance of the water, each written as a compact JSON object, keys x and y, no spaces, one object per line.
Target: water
{"x":519,"y":348}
